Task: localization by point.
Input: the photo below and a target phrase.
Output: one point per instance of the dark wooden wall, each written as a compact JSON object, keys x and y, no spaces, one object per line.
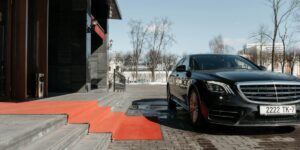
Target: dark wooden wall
{"x":67,"y":46}
{"x":42,"y":38}
{"x":17,"y":50}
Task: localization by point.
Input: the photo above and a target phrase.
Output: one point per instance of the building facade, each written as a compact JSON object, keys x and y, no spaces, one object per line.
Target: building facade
{"x":267,"y":56}
{"x":59,"y":43}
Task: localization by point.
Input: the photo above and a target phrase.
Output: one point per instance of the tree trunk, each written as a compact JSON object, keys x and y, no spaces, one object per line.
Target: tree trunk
{"x":273,"y":44}
{"x":153,"y":75}
{"x":282,"y":67}
{"x":167,"y":73}
{"x":260,"y":55}
{"x":292,"y":68}
{"x":283,"y":57}
{"x":273,"y":52}
{"x":136,"y":72}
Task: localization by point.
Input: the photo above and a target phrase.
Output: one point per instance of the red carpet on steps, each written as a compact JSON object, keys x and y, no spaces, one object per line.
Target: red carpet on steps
{"x":101,"y":119}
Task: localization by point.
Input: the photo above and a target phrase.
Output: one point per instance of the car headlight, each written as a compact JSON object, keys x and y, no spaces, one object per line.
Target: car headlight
{"x":219,"y":87}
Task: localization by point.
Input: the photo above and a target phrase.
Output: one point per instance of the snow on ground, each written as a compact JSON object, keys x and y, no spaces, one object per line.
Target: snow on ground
{"x":148,"y":83}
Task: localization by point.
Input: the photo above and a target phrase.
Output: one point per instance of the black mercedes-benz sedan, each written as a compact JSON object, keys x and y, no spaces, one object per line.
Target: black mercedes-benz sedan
{"x":232,"y":90}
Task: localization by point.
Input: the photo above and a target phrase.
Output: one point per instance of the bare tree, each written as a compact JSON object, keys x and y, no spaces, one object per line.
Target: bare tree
{"x":291,"y":58}
{"x":281,"y":11}
{"x":137,"y":34}
{"x":287,"y":39}
{"x":169,"y":60}
{"x":297,"y":20}
{"x":244,"y":49}
{"x":261,"y":36}
{"x":279,"y":58}
{"x":153,"y":58}
{"x":128,"y":61}
{"x":217,"y":45}
{"x":159,"y":38}
{"x":283,"y":35}
{"x":119,"y":57}
{"x":298,"y":57}
{"x":252,"y":54}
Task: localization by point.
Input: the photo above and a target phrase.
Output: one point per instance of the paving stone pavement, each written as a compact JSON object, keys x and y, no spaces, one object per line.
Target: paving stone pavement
{"x":149,"y":100}
{"x":179,"y":134}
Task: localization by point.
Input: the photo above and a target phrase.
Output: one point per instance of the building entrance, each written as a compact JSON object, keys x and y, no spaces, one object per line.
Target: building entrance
{"x":2,"y":46}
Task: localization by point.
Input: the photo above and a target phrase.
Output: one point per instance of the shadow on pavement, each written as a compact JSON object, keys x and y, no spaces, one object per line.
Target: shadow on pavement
{"x":156,"y":110}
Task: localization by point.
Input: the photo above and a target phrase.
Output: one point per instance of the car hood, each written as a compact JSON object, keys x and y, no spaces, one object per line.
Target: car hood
{"x":246,"y":75}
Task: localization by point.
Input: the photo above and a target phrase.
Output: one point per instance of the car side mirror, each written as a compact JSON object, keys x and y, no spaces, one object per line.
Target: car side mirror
{"x":188,"y":74}
{"x":181,"y":68}
{"x":263,"y":68}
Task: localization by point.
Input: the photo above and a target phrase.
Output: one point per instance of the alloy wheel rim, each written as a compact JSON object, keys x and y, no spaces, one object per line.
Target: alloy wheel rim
{"x":194,"y":110}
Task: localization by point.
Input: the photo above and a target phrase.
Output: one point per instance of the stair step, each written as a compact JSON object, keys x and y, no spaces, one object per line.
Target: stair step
{"x":18,"y":131}
{"x":90,"y":115}
{"x":109,"y":123}
{"x":97,"y":141}
{"x":62,"y":138}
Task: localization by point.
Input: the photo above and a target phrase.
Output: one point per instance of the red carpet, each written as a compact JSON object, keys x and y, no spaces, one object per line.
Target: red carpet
{"x":101,"y":119}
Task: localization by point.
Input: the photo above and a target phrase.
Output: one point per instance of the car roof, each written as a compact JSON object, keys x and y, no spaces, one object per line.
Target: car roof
{"x":212,"y":55}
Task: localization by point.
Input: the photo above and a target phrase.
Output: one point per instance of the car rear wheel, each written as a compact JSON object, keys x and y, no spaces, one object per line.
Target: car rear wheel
{"x":171,"y":103}
{"x":194,"y":109}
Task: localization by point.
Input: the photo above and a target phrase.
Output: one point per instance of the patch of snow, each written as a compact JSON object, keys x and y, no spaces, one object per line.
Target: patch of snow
{"x":148,"y":83}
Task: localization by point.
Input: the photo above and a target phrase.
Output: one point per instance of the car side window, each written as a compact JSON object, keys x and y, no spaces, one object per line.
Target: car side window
{"x":178,"y":64}
{"x":242,"y":65}
{"x":193,"y":64}
{"x":186,"y":63}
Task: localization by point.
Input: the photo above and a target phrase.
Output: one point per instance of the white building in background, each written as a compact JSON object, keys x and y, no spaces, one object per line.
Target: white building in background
{"x":267,"y":48}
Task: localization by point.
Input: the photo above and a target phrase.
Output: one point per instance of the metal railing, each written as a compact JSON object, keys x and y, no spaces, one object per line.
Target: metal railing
{"x":119,"y":83}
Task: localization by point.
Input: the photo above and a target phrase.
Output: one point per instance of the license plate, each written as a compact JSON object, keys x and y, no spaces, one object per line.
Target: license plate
{"x":277,"y":110}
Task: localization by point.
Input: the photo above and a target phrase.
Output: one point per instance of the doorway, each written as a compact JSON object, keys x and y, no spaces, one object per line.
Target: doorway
{"x":3,"y":24}
{"x":32,"y":53}
{"x":37,"y":48}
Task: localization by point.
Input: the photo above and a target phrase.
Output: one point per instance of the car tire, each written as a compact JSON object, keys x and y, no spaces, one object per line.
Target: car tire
{"x":196,"y":117}
{"x":171,"y":103}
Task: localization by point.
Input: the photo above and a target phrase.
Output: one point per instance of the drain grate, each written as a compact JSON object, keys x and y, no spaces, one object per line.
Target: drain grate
{"x":149,"y":108}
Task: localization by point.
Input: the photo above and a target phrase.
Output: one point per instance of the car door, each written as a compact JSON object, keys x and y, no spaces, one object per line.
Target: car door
{"x":183,"y":84}
{"x":174,"y":80}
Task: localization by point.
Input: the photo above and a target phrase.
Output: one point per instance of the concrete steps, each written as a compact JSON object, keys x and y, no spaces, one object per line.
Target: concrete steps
{"x":82,"y":117}
{"x":18,"y":131}
{"x":99,"y":141}
{"x":63,"y":138}
{"x":48,"y":132}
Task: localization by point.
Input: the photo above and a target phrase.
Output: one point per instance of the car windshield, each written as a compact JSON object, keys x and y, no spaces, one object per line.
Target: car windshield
{"x":221,"y":62}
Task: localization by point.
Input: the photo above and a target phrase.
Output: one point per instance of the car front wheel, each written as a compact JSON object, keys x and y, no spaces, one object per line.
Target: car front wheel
{"x":194,"y":109}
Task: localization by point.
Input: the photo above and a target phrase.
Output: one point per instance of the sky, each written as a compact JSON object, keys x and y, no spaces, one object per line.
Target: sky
{"x":195,"y":22}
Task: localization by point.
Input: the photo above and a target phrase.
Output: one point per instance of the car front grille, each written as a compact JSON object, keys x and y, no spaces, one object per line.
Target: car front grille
{"x":270,"y":92}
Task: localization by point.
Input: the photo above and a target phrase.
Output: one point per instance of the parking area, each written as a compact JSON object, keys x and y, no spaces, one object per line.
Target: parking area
{"x":149,"y":100}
